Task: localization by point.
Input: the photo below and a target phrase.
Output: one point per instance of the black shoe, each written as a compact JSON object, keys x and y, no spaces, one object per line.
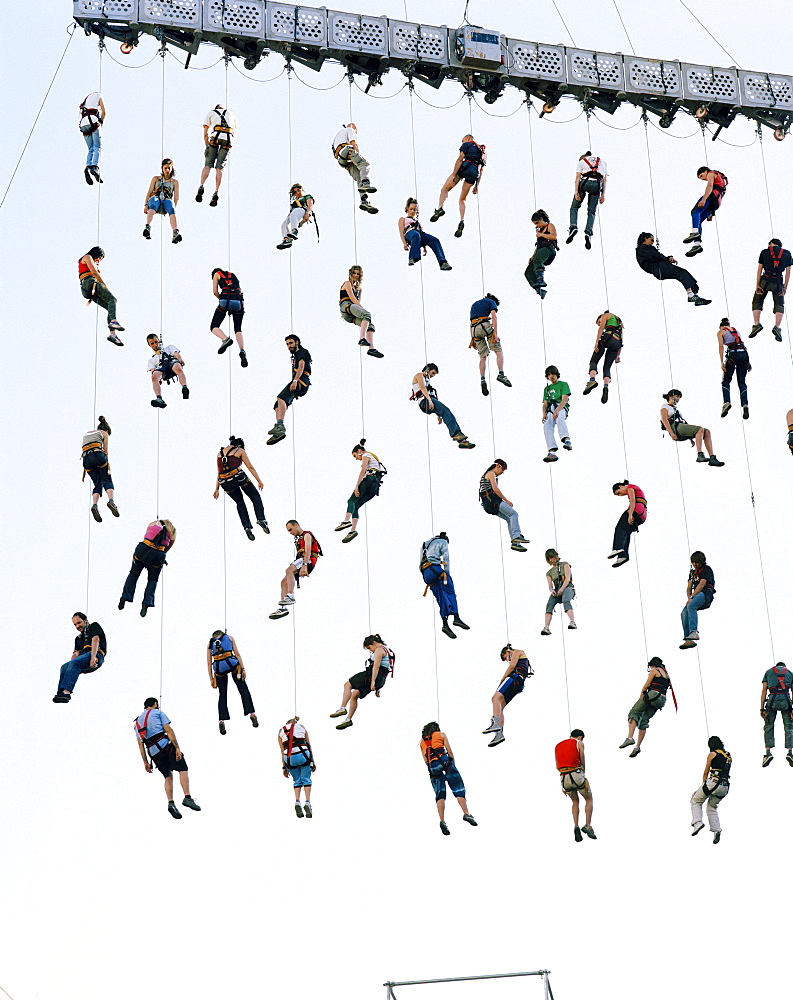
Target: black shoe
{"x":697,"y":248}
{"x":159,"y":401}
{"x":459,"y":623}
{"x":366,"y":187}
{"x":214,"y":200}
{"x":459,"y":230}
{"x":484,"y":388}
{"x":177,"y":236}
{"x":447,"y":631}
{"x":254,"y":720}
{"x":699,"y":301}
{"x":250,"y":534}
{"x":225,"y":345}
{"x":373,"y":353}
{"x":437,"y":214}
{"x":468,"y":818}
{"x":587,"y":241}
{"x":174,"y":811}
{"x":95,"y":512}
{"x":147,"y":232}
{"x":604,"y":396}
{"x":115,"y":340}
{"x":572,"y":234}
{"x":111,"y":506}
{"x":577,"y":834}
{"x":263,"y":525}
{"x":243,"y":359}
{"x":88,"y":178}
{"x":285,"y":244}
{"x":191,"y":803}
{"x":95,"y":171}
{"x":746,"y":413}
{"x":444,"y":829}
{"x":200,"y":193}
{"x":185,"y":392}
{"x":363,"y":342}
{"x":222,"y":728}
{"x":143,"y":609}
{"x":591,"y":384}
{"x":366,"y":207}
{"x":62,"y":698}
{"x":121,"y":604}
{"x":411,"y":262}
{"x":445,"y":265}
{"x":275,"y":437}
{"x":755,"y":330}
{"x":777,"y":334}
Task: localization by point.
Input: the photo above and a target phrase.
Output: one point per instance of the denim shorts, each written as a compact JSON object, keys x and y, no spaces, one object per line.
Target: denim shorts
{"x":300,"y":771}
{"x":161,"y":205}
{"x":468,"y":172}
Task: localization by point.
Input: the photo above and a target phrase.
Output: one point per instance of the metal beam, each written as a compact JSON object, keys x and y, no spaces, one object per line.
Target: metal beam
{"x":465,"y":979}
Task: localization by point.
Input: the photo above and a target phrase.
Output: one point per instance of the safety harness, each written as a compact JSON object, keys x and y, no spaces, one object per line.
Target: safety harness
{"x":222,"y":133}
{"x":720,"y":183}
{"x":93,"y":456}
{"x":417,"y":394}
{"x":708,"y":590}
{"x":434,"y":750}
{"x":316,"y":549}
{"x":87,"y":645}
{"x":229,"y":467}
{"x":488,"y":497}
{"x":390,"y":657}
{"x":220,"y":651}
{"x":159,"y":540}
{"x":480,"y":159}
{"x":779,"y":693}
{"x":165,"y":366}
{"x":301,"y":203}
{"x":737,"y":344}
{"x":659,"y":685}
{"x":591,"y":180}
{"x":775,"y":274}
{"x":89,"y":118}
{"x":296,"y":744}
{"x":719,"y":772}
{"x":425,"y":563}
{"x":149,"y":741}
{"x":543,"y":240}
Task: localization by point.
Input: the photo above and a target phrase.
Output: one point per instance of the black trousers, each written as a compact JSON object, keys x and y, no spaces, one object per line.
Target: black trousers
{"x":223,"y":690}
{"x":665,"y":269}
{"x":370,"y":487}
{"x":154,"y":562}
{"x":609,"y":346}
{"x":235,"y":490}
{"x":623,"y":531}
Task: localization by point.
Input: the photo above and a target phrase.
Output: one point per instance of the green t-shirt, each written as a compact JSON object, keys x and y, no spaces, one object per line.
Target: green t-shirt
{"x":553,"y":393}
{"x":777,"y":695}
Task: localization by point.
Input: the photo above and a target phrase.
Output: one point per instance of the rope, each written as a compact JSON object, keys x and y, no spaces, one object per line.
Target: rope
{"x":253,"y":79}
{"x":289,"y":71}
{"x":625,"y":30}
{"x":162,"y":52}
{"x":707,"y":31}
{"x":771,"y":220}
{"x":563,"y":21}
{"x":227,"y":59}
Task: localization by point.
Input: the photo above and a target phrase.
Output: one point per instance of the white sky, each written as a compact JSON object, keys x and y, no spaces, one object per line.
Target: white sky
{"x":103,"y":893}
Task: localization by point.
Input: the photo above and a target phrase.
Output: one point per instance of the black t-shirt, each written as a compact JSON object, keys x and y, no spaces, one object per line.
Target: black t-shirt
{"x":767,"y":262}
{"x":83,"y":640}
{"x":704,"y":573}
{"x":301,"y":354}
{"x":472,"y":153}
{"x":648,"y":256}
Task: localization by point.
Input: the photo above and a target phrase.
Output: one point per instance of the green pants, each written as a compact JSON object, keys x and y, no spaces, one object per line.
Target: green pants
{"x":99,"y":293}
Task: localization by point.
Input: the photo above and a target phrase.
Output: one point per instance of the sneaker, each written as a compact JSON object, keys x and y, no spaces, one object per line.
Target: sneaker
{"x":627,"y":742}
{"x":567,"y":444}
{"x":174,"y":811}
{"x":459,"y":230}
{"x":551,"y":457}
{"x":225,"y":345}
{"x":448,"y":631}
{"x":468,"y":818}
{"x":635,"y":752}
{"x":111,"y":506}
{"x":349,"y":536}
{"x":338,"y":713}
{"x":222,"y":728}
{"x":688,"y":644}
{"x":95,"y":512}
{"x":577,"y":829}
{"x":243,"y":359}
{"x":263,"y":525}
{"x":374,"y":353}
{"x":517,"y":547}
{"x":411,"y":262}
{"x":604,"y":396}
{"x":286,"y":243}
{"x":746,"y":413}
{"x":115,"y":326}
{"x":143,"y":610}
{"x":693,"y":237}
{"x":345,"y":725}
{"x":726,"y":409}
{"x":62,"y":698}
{"x":587,"y":241}
{"x":715,"y":462}
{"x":502,"y":378}
{"x":366,"y":207}
{"x":591,"y":384}
{"x":115,"y":340}
{"x":701,"y":456}
{"x":545,"y":630}
{"x":89,"y":179}
{"x":542,"y":292}
{"x":789,"y":758}
{"x":177,"y":236}
{"x":589,"y":832}
{"x":461,"y":624}
{"x":498,"y":738}
{"x":699,"y":825}
{"x":437,"y":214}
{"x":697,"y":248}
{"x":343,"y":526}
{"x":445,"y":265}
{"x":286,"y":601}
{"x":483,"y":387}
{"x":777,"y":332}
{"x":185,"y":392}
{"x":767,"y":758}
{"x":717,"y":836}
{"x":466,"y":444}
{"x":693,"y":635}
{"x":572,"y":234}
{"x":191,"y":803}
{"x":366,"y":187}
{"x":494,"y":727}
{"x":277,"y":435}
{"x":95,"y":172}
{"x":214,"y":200}
{"x":363,"y":342}
{"x":755,"y":329}
{"x":121,"y":604}
{"x":200,"y":193}
{"x":572,"y":625}
{"x":521,"y":539}
{"x":619,"y":561}
{"x":614,"y":553}
{"x":279,"y":613}
{"x":250,"y":534}
{"x":307,"y":812}
{"x":147,"y":232}
{"x":159,"y":401}
{"x":298,"y":810}
{"x":699,"y":301}
{"x":444,"y":829}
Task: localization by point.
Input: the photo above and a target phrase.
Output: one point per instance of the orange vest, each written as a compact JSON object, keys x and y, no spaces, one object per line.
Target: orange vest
{"x":433,"y":747}
{"x":567,"y":756}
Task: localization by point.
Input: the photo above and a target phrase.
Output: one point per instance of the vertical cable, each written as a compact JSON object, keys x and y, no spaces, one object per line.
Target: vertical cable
{"x":293,"y":408}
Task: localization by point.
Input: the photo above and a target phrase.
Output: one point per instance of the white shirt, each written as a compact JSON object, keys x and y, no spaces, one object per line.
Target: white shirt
{"x":584,"y":167}
{"x":93,"y":100}
{"x":298,"y":734}
{"x":213,"y":119}
{"x":154,"y":362}
{"x":345,"y":135}
{"x":374,"y":465}
{"x":675,"y":416}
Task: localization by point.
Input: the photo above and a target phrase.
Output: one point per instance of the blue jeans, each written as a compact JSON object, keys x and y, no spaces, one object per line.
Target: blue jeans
{"x":79,"y":665}
{"x":451,"y":777}
{"x":591,"y":209}
{"x":510,"y":515}
{"x":442,"y":592}
{"x":418,"y":240}
{"x":446,"y":415}
{"x":156,"y":204}
{"x":698,"y":215}
{"x":94,"y":143}
{"x":688,"y":616}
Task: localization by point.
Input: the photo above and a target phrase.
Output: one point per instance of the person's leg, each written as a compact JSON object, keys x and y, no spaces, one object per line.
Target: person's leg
{"x":712,"y":810}
{"x":575,"y":205}
{"x":622,"y":534}
{"x":128,"y":592}
{"x":169,"y":787}
{"x":360,"y":168}
{"x":214,"y":325}
{"x":694,"y":606}
{"x":245,"y":694}
{"x":280,"y":410}
{"x":434,"y":244}
{"x":574,"y":804}
{"x":611,"y":356}
{"x":255,"y":497}
{"x":236,"y":319}
{"x":346,"y":693}
{"x":726,"y":378}
{"x":779,"y":305}
{"x":640,"y":737}
{"x":741,"y":371}
{"x":787,"y":722}
{"x":510,"y":515}
{"x":151,"y":585}
{"x":467,"y":185}
{"x":768,"y":729}
{"x":152,"y":210}
{"x":235,"y":493}
{"x":171,"y":211}
{"x":363,"y":319}
{"x":204,"y":175}
{"x":222,"y":681}
{"x":71,"y":670}
{"x":592,"y":207}
{"x":685,"y":620}
{"x":440,"y":801}
{"x":353,"y":705}
{"x":447,"y":417}
{"x":288,"y":582}
{"x":184,"y":781}
{"x":218,"y":178}
{"x":456,"y":786}
{"x":413,"y":239}
{"x":698,"y":213}
{"x":589,"y":803}
{"x":104,"y":298}
{"x":708,"y":442}
{"x":549,"y":429}
{"x":179,"y":373}
{"x":594,"y":361}
{"x":156,"y":382}
{"x":567,"y":601}
{"x":530,"y":274}
{"x":686,"y":279}
{"x":698,"y":438}
{"x":561,"y":423}
{"x":450,"y":183}
{"x":499,"y":704}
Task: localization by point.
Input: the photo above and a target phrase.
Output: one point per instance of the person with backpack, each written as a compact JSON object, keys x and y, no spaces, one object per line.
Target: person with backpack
{"x":150,"y":554}
{"x":467,"y":168}
{"x":297,"y":761}
{"x":436,"y":753}
{"x":652,"y":699}
{"x":773,"y":275}
{"x":414,"y":238}
{"x":353,"y":312}
{"x":426,"y":395}
{"x":372,"y":678}
{"x":308,"y":551}
{"x":219,"y":127}
{"x":555,"y":408}
{"x":165,"y":364}
{"x":97,"y":465}
{"x":493,"y":501}
{"x":630,"y":520}
{"x":348,"y":156}
{"x":301,"y":211}
{"x":159,"y":748}
{"x":92,"y":118}
{"x":700,"y":589}
{"x":90,"y":649}
{"x":434,"y":568}
{"x":775,"y":697}
{"x":715,"y":786}
{"x":608,"y":342}
{"x":560,"y":584}
{"x":569,"y":755}
{"x":736,"y":363}
{"x":162,"y":197}
{"x":231,"y":302}
{"x":517,"y":673}
{"x":234,"y":483}
{"x":674,"y":424}
{"x":366,"y":486}
{"x":706,"y":207}
{"x":544,"y":252}
{"x":590,"y":180}
{"x":650,"y":259}
{"x":95,"y":290}
{"x":224,"y":661}
{"x":299,"y":386}
{"x":484,"y":338}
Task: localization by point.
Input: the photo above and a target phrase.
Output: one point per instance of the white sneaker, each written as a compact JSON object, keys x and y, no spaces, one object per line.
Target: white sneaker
{"x":493,"y":727}
{"x":498,"y":738}
{"x":545,"y":631}
{"x":287,"y":601}
{"x":693,"y":635}
{"x":619,"y":562}
{"x":614,"y":553}
{"x":697,"y":827}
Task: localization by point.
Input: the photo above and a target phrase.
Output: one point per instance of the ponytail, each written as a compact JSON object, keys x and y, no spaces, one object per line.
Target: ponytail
{"x":360,"y":446}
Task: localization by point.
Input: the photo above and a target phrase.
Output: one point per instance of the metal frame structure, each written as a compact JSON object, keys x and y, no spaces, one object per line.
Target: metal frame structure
{"x":370,"y":46}
{"x":544,"y":973}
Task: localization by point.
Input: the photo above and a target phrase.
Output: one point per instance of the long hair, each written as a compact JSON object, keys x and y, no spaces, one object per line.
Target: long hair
{"x":429,"y":729}
{"x":168,"y":525}
{"x":361,"y":446}
{"x":617,"y":486}
{"x":370,"y":640}
{"x":236,"y":442}
{"x":714,"y":743}
{"x":496,"y":461}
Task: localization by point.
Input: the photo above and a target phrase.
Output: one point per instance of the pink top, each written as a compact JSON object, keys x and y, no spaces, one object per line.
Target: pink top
{"x":153,"y":530}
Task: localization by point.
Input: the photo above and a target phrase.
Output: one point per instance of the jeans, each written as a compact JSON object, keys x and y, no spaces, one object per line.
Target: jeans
{"x":611,"y":347}
{"x":154,"y":562}
{"x":235,"y":491}
{"x":417,"y":240}
{"x":768,"y":727}
{"x":94,"y":144}
{"x":549,"y":425}
{"x":542,"y":257}
{"x":565,"y":599}
{"x":79,"y":665}
{"x":689,"y":617}
{"x":737,"y":362}
{"x":439,"y":410}
{"x":714,"y":791}
{"x":698,"y":215}
{"x":452,"y":777}
{"x":510,"y":515}
{"x":370,"y":487}
{"x":442,"y":592}
{"x":101,"y":479}
{"x":623,"y":531}
{"x":99,"y":293}
{"x":156,"y":203}
{"x":223,"y":688}
{"x":591,"y":209}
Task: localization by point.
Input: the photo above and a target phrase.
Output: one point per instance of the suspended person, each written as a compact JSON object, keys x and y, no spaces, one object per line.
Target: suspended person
{"x":560,"y":584}
{"x":434,"y":567}
{"x":706,"y":207}
{"x":162,"y":197}
{"x":92,"y":118}
{"x":517,"y":673}
{"x":493,"y":501}
{"x":95,"y":290}
{"x":608,"y":343}
{"x":436,"y":753}
{"x":231,"y":302}
{"x":157,"y":739}
{"x":90,"y":649}
{"x":735,"y":363}
{"x":299,"y":386}
{"x":414,"y":238}
{"x":165,"y":364}
{"x":425,"y":393}
{"x":775,"y":697}
{"x":650,"y":259}
{"x":700,"y":590}
{"x":590,"y":180}
{"x":371,"y":679}
{"x":234,"y":483}
{"x":715,"y":786}
{"x":345,"y":149}
{"x":467,"y":168}
{"x":150,"y":554}
{"x":224,"y":661}
{"x":773,"y":275}
{"x":555,"y":408}
{"x":297,"y":761}
{"x":304,"y":563}
{"x":353,"y":312}
{"x":544,"y":252}
{"x":673,"y":423}
{"x":97,"y":465}
{"x":301,"y":211}
{"x":789,"y":421}
{"x":630,"y":520}
{"x":652,"y":699}
{"x":219,"y":127}
{"x":484,"y":338}
{"x":570,"y":764}
{"x":366,"y":486}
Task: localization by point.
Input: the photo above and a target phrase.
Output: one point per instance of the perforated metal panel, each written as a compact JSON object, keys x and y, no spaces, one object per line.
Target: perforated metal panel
{"x":304,"y":25}
{"x":417,"y":41}
{"x":652,"y":76}
{"x":242,"y":17}
{"x":541,"y":62}
{"x":761,"y":90}
{"x":107,"y":9}
{"x":708,"y":83}
{"x":171,"y":13}
{"x":595,"y":69}
{"x":356,"y":33}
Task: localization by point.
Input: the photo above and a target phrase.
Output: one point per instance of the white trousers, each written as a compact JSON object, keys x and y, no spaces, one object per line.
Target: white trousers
{"x":550,"y":425}
{"x":714,"y":793}
{"x":292,"y":221}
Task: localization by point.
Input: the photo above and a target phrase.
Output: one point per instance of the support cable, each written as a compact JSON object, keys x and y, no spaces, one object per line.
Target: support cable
{"x":227,"y":59}
{"x":162,"y":53}
{"x":289,"y":71}
{"x":563,"y":21}
{"x":708,"y":32}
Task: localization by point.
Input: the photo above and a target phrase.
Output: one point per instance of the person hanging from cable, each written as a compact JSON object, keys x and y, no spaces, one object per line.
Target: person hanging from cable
{"x":467,"y":168}
{"x":414,"y":237}
{"x":366,"y":486}
{"x":775,"y":697}
{"x":590,"y":180}
{"x":715,"y":785}
{"x":434,"y":568}
{"x":95,"y":290}
{"x":570,"y":764}
{"x":353,"y":312}
{"x":348,"y":156}
{"x":706,"y":207}
{"x":231,"y":302}
{"x":219,"y":128}
{"x":493,"y":501}
{"x":308,"y":552}
{"x":608,"y":342}
{"x":372,"y":678}
{"x":426,"y":395}
{"x":301,"y":212}
{"x":773,"y":275}
{"x":652,"y":699}
{"x":700,"y":588}
{"x":150,"y":553}
{"x":97,"y":465}
{"x":650,"y":259}
{"x":162,"y":197}
{"x":517,"y":673}
{"x":629,"y":521}
{"x":90,"y":650}
{"x":544,"y":252}
{"x":234,"y":483}
{"x":159,"y":748}
{"x":674,"y":425}
{"x":555,"y":408}
{"x":224,"y":661}
{"x":297,"y":762}
{"x":92,"y":118}
{"x":736,"y":363}
{"x":299,"y":386}
{"x":436,"y":753}
{"x":484,"y":338}
{"x":166,"y":363}
{"x":560,"y":584}
{"x":789,"y":422}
